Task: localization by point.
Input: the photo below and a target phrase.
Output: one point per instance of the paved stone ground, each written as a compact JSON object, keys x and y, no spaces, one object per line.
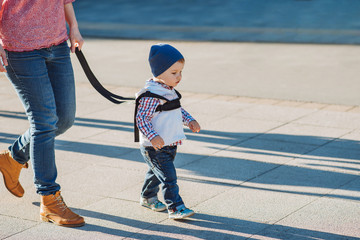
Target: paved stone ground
{"x":300,"y":72}
{"x":260,"y":168}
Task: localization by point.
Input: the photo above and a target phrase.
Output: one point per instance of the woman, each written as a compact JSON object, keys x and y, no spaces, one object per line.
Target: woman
{"x":36,"y":60}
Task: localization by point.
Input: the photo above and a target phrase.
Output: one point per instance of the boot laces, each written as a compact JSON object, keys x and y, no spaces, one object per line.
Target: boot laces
{"x":61,"y":203}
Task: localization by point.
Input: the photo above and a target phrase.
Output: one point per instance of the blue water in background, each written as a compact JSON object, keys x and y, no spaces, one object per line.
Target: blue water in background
{"x":299,"y":21}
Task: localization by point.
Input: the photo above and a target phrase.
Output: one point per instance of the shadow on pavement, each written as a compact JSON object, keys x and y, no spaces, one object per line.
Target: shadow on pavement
{"x":200,"y":225}
{"x":326,"y":170}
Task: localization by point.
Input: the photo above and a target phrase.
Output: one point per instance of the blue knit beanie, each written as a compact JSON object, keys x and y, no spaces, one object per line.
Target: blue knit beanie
{"x":161,"y":57}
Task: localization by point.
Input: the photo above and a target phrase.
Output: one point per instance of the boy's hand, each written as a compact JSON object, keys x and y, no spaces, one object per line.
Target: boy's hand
{"x":194,"y":126}
{"x":157,"y":142}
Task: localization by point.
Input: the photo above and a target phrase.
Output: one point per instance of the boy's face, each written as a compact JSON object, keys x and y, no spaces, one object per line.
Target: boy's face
{"x":172,"y":76}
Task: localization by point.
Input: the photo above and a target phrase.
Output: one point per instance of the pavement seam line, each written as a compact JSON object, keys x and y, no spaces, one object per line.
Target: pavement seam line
{"x":259,"y":175}
{"x":37,"y":224}
{"x":325,"y":195}
{"x":309,"y":203}
{"x":264,"y":133}
{"x":317,"y":198}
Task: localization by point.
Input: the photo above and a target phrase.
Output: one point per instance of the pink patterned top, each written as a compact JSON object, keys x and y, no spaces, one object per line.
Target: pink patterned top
{"x":26,"y":25}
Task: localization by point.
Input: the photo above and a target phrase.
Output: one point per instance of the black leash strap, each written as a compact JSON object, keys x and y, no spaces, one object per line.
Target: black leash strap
{"x":95,"y":83}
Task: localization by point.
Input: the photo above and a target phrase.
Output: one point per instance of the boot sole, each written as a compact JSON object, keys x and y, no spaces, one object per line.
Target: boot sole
{"x":19,"y":196}
{"x":45,"y":219}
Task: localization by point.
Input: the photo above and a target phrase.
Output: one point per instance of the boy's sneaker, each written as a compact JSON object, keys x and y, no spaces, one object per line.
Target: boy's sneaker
{"x":153,"y":203}
{"x":181,"y":213}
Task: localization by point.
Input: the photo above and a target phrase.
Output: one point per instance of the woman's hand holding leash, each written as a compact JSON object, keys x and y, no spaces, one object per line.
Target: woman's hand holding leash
{"x":76,"y":39}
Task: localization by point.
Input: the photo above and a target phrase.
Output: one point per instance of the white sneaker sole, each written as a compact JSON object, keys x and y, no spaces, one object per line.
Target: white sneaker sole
{"x":181,"y":217}
{"x":154,"y":209}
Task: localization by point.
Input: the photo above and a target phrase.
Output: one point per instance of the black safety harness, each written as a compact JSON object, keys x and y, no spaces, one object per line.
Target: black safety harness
{"x":167,"y":106}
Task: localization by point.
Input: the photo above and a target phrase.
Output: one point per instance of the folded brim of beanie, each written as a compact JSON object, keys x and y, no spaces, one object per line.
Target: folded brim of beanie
{"x":162,"y":57}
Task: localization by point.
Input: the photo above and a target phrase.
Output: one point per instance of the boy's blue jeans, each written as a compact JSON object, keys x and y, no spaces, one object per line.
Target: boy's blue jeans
{"x":161,"y":171}
{"x":44,"y":82}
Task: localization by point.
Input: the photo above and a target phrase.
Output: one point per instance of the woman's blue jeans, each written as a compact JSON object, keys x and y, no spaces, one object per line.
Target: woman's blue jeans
{"x":44,"y":82}
{"x":161,"y":171}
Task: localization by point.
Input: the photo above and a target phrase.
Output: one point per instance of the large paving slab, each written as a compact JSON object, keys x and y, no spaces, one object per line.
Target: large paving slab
{"x":11,"y":226}
{"x":259,"y":169}
{"x":326,"y":218}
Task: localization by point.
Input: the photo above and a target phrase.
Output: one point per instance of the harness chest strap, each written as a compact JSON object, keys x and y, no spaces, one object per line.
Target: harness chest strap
{"x":167,"y":106}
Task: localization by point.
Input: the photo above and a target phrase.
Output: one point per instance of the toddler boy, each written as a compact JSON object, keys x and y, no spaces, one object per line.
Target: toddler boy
{"x":160,"y":119}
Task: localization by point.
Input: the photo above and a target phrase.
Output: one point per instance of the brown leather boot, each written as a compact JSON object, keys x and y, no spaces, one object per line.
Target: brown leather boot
{"x":53,"y":209}
{"x":10,"y":170}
